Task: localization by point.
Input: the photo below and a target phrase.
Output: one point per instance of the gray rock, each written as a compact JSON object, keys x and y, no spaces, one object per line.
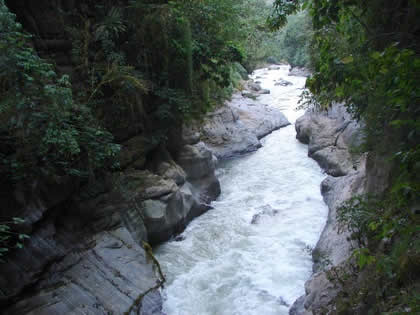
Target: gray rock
{"x":104,"y":277}
{"x":236,"y":127}
{"x":171,"y":170}
{"x":196,"y":160}
{"x":190,"y":134}
{"x":255,"y":87}
{"x":281,"y":82}
{"x":298,"y":307}
{"x":249,"y":94}
{"x":241,"y":70}
{"x":330,"y":136}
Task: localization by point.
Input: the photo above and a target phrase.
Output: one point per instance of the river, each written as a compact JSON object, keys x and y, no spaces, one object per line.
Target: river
{"x":248,"y":255}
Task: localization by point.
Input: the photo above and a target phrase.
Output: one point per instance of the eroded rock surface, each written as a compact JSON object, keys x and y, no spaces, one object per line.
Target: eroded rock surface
{"x":331,"y":137}
{"x":236,"y":127}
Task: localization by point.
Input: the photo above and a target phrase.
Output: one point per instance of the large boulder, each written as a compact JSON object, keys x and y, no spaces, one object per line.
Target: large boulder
{"x":331,"y":137}
{"x":236,"y":127}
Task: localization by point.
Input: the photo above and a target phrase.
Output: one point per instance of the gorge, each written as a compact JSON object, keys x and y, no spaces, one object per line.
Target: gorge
{"x":162,"y":157}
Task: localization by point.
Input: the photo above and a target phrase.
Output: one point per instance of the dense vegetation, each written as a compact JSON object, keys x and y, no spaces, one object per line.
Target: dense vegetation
{"x":366,"y":54}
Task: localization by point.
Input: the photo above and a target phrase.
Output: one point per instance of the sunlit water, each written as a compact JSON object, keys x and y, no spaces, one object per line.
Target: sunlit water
{"x":228,"y":265}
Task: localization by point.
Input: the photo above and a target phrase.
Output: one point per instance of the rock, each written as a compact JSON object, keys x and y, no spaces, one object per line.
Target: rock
{"x":274,"y":67}
{"x":266,"y":211}
{"x":236,"y":127}
{"x":330,"y":135}
{"x":298,"y":307}
{"x":145,"y":185}
{"x":199,"y":164}
{"x":281,"y":82}
{"x":336,"y":161}
{"x":196,"y":160}
{"x":299,"y":72}
{"x":281,"y":301}
{"x":190,"y":134}
{"x":166,"y":217}
{"x":319,"y":294}
{"x":171,"y":170}
{"x":105,"y":277}
{"x":255,"y":87}
{"x":264,"y":91}
{"x":249,"y":95}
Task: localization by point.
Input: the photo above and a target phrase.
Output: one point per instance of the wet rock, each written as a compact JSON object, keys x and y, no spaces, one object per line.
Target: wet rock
{"x":264,"y":91}
{"x":266,"y":211}
{"x":281,"y":82}
{"x":274,"y":67}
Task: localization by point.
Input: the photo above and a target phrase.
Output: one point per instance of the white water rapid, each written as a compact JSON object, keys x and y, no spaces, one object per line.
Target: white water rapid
{"x":227,"y":265}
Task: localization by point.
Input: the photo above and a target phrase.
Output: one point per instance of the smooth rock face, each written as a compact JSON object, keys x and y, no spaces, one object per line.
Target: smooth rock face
{"x":330,"y":137}
{"x":105,"y":277}
{"x":236,"y":127}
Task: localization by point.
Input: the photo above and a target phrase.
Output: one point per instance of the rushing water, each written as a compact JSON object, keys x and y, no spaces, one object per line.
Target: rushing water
{"x":228,"y":265}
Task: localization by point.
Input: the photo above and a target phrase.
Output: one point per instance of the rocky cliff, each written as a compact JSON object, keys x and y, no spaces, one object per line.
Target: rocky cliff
{"x":332,"y":138}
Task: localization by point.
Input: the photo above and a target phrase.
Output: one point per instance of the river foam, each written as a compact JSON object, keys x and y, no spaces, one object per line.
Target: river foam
{"x":248,"y":255}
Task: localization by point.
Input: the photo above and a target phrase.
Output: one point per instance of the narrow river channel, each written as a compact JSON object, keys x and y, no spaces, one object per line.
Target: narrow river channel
{"x":247,"y":255}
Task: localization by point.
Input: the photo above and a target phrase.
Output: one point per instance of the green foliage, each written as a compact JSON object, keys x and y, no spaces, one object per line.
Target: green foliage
{"x":43,"y":131}
{"x":294,"y":40}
